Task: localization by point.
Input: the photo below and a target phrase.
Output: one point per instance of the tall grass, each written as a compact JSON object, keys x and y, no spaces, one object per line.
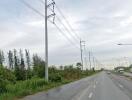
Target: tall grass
{"x":22,"y":88}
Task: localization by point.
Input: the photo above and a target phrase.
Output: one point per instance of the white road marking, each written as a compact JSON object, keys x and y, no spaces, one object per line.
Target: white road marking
{"x":94,"y":86}
{"x":96,"y":82}
{"x":83,"y":93}
{"x":121,"y":86}
{"x":90,"y":95}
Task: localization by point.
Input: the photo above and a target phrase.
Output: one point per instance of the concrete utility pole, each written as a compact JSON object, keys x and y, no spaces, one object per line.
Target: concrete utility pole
{"x":81,"y":53}
{"x":90,"y":60}
{"x":46,"y":33}
{"x":81,"y":49}
{"x":94,"y":65}
{"x":46,"y":43}
{"x":85,"y":56}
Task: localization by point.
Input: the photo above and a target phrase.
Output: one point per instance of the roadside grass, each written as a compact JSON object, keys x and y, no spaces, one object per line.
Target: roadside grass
{"x":32,"y":86}
{"x":28,"y":87}
{"x":22,"y":88}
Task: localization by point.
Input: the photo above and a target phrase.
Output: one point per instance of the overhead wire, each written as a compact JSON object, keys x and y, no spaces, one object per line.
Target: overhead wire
{"x":59,"y":10}
{"x":64,"y":26}
{"x":39,"y":13}
{"x":32,"y":8}
{"x":64,"y":34}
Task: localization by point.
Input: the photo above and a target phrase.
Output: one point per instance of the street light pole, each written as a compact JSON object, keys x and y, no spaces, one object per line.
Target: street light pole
{"x":123,"y":44}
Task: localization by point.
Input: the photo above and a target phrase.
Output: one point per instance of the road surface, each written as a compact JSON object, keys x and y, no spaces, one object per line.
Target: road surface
{"x":101,"y":86}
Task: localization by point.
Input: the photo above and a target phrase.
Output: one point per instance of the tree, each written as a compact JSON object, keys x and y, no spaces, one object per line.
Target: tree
{"x":38,"y":66}
{"x":2,"y":59}
{"x":22,"y":63}
{"x":130,"y":66}
{"x":16,"y":65}
{"x":10,"y":59}
{"x":6,"y":77}
{"x":22,"y":66}
{"x":28,"y":61}
{"x":16,"y":59}
{"x":19,"y":65}
{"x":61,"y":68}
{"x":79,"y":64}
{"x":28,"y":58}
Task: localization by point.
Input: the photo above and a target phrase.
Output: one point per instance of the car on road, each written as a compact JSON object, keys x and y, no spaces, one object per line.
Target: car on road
{"x":108,"y":72}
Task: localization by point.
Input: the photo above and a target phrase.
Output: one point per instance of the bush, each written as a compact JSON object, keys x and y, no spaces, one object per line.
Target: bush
{"x":55,"y":78}
{"x":26,"y":85}
{"x":6,"y":77}
{"x":3,"y":84}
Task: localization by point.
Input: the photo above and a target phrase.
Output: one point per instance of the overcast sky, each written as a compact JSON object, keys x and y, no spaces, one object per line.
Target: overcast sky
{"x":101,"y":23}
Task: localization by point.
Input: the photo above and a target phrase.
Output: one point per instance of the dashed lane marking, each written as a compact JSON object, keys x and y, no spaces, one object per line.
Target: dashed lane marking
{"x":83,"y":93}
{"x":121,"y":86}
{"x":90,"y":95}
{"x":94,"y":86}
{"x":96,"y":82}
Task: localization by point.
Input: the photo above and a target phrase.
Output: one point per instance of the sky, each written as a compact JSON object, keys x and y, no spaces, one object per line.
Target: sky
{"x":101,"y":23}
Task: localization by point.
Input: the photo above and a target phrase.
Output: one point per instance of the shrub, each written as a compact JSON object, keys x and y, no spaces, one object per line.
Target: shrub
{"x":25,"y":85}
{"x":6,"y":77}
{"x":55,"y":77}
{"x":22,"y":88}
{"x":3,"y":84}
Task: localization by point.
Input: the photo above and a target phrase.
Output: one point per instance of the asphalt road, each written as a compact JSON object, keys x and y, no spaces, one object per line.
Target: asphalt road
{"x":98,"y":87}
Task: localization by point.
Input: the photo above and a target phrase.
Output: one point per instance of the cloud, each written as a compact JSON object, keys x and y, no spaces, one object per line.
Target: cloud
{"x":101,"y":23}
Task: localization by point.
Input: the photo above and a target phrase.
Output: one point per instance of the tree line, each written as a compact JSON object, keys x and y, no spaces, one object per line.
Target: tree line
{"x":22,"y":64}
{"x":19,"y":69}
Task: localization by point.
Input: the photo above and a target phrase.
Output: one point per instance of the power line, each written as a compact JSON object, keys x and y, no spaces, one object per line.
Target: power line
{"x":67,"y":21}
{"x":77,"y":37}
{"x":62,"y":32}
{"x":32,"y":8}
{"x":44,"y":4}
{"x":65,"y":28}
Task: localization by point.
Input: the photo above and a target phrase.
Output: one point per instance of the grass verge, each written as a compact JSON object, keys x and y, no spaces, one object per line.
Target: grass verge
{"x":32,"y":86}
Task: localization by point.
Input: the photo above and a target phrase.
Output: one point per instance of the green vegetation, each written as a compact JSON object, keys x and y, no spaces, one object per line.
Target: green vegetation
{"x":23,"y":77}
{"x":22,"y":88}
{"x":124,"y":68}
